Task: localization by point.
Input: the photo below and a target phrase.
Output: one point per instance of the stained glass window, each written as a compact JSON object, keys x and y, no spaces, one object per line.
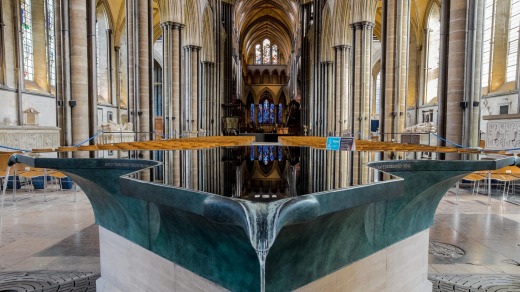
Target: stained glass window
{"x":280,"y":154}
{"x":280,"y":113}
{"x":258,"y":54}
{"x":271,"y":113}
{"x":260,"y":153}
{"x":267,"y":51}
{"x":266,"y":153}
{"x":252,"y":114}
{"x":266,"y":111}
{"x":260,"y":114}
{"x":252,"y":153}
{"x":275,"y":54}
{"x":271,"y":153}
{"x":27,"y":39}
{"x":51,"y":42}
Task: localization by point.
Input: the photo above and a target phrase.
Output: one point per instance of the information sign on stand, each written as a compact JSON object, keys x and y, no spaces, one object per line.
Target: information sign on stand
{"x":341,"y":143}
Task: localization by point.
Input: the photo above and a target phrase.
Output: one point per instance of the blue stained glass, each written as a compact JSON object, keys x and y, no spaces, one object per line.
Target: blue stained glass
{"x":280,"y":154}
{"x":252,"y":115}
{"x":260,"y":153}
{"x":280,"y":113}
{"x":266,"y":152}
{"x":260,"y":113}
{"x":271,"y":153}
{"x":266,"y":111}
{"x":252,"y":153}
{"x":271,"y":113}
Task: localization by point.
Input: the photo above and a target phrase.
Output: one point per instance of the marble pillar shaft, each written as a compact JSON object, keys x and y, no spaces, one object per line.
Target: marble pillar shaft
{"x":78,"y":71}
{"x":362,"y":68}
{"x":396,"y":66}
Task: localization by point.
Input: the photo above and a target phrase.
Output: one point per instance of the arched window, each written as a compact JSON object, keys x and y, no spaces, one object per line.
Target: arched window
{"x":280,"y":113}
{"x":51,"y":46}
{"x":267,"y":51}
{"x":266,"y":110}
{"x":512,"y":50}
{"x":27,"y":39}
{"x":275,"y":55}
{"x":260,"y":114}
{"x":38,"y":44}
{"x":123,"y":65}
{"x":252,"y":113}
{"x":103,"y":55}
{"x":432,"y":78}
{"x":486,"y":42}
{"x":258,"y":55}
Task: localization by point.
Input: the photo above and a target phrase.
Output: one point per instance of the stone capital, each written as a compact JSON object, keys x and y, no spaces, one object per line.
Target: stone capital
{"x":362,"y":25}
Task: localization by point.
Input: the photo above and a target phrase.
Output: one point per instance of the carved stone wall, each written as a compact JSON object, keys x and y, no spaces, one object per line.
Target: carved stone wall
{"x":503,"y":134}
{"x":30,"y":137}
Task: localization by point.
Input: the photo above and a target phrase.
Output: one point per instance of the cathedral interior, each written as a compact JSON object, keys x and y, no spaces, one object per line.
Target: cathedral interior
{"x":85,"y":72}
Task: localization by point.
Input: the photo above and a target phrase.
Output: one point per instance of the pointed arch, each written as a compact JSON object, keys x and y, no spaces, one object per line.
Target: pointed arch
{"x":364,"y":11}
{"x":208,"y":41}
{"x":191,"y":32}
{"x":171,"y":10}
{"x":341,"y":21}
{"x":103,"y":4}
{"x":326,"y":36}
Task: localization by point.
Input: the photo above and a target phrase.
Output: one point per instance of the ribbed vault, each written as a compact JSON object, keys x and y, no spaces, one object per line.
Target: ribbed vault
{"x":257,"y":20}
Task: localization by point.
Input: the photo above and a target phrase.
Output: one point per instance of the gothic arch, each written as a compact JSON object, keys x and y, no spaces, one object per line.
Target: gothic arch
{"x":191,"y":32}
{"x":172,"y":10}
{"x":208,"y":41}
{"x":326,"y":36}
{"x":103,"y":4}
{"x":341,"y":20}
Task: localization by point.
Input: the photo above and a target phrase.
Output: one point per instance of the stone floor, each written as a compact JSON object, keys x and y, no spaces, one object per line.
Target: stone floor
{"x":473,"y":243}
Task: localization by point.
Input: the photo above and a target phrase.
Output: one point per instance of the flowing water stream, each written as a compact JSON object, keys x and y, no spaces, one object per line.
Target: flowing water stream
{"x":261,"y":221}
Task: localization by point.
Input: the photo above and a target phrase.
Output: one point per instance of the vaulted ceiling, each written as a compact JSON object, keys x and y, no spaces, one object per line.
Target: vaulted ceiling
{"x":257,"y":20}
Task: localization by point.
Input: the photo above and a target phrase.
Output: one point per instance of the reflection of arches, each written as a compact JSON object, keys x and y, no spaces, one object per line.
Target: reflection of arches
{"x":208,"y":42}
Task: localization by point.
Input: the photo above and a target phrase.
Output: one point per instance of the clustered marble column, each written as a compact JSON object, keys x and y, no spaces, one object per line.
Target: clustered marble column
{"x":360,"y":104}
{"x":171,"y":95}
{"x":396,"y":66}
{"x":342,"y":106}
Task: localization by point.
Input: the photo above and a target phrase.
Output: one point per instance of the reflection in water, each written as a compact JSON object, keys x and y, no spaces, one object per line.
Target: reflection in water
{"x":262,"y":172}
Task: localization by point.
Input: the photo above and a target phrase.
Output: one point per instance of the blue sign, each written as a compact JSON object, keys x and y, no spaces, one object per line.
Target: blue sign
{"x":333,"y":143}
{"x":339,"y":143}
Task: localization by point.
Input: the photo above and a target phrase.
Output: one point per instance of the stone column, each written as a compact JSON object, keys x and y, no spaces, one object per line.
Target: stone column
{"x":396,"y":67}
{"x":363,"y":19}
{"x":459,"y":94}
{"x":342,"y":100}
{"x":78,"y":70}
{"x":342,"y":108}
{"x":362,"y":68}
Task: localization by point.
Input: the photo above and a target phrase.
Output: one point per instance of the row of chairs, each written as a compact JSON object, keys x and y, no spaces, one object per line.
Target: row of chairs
{"x":504,"y":178}
{"x":23,"y":177}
